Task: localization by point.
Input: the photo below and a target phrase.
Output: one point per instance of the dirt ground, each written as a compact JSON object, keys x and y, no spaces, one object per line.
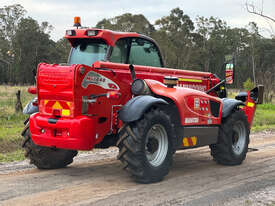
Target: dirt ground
{"x":97,"y":178}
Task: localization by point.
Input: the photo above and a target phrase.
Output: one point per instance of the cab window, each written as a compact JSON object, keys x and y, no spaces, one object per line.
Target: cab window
{"x":119,"y":54}
{"x":144,"y":52}
{"x":136,"y":51}
{"x":88,"y":51}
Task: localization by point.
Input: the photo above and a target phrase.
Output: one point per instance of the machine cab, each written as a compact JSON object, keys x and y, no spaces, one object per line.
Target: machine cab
{"x":126,"y":50}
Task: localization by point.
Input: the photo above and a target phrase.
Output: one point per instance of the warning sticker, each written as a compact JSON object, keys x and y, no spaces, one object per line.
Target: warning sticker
{"x":191,"y":120}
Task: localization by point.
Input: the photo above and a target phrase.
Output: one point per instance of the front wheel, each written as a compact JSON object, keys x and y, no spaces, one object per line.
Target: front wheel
{"x":233,"y":140}
{"x":46,"y":157}
{"x":145,"y":146}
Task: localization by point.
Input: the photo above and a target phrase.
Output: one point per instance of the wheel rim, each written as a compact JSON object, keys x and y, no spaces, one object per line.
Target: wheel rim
{"x":239,"y":137}
{"x":156,"y":145}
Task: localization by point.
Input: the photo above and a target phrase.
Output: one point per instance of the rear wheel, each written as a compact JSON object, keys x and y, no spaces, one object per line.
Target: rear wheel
{"x":46,"y":157}
{"x":233,"y":140}
{"x":145,"y":146}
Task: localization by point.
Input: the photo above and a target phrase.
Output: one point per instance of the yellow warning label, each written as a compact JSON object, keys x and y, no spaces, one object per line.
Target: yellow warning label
{"x":250,"y":104}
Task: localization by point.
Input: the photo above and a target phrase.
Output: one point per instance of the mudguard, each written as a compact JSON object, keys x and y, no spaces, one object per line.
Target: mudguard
{"x":30,"y":108}
{"x":229,"y":105}
{"x":135,"y":107}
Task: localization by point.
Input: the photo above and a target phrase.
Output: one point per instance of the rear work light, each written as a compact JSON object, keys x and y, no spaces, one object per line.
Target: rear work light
{"x":92,"y":32}
{"x":70,"y":32}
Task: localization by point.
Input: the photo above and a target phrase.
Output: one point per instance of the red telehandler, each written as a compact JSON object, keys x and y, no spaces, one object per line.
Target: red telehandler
{"x":115,"y":90}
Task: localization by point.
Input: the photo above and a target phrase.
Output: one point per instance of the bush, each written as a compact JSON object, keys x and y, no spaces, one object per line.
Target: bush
{"x":248,"y":84}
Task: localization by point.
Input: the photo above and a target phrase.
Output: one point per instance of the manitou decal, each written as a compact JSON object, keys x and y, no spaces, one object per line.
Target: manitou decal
{"x":99,"y":80}
{"x":195,"y":86}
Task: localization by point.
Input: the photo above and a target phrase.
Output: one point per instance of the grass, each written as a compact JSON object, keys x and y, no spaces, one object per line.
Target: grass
{"x":11,"y":123}
{"x":17,"y":155}
{"x":264,"y":117}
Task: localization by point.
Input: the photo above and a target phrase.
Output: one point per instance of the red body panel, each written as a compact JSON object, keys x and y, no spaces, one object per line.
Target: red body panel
{"x":193,"y":106}
{"x":192,"y":79}
{"x":77,"y":133}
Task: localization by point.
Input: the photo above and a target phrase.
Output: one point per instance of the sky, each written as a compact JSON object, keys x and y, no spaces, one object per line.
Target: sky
{"x":60,"y":13}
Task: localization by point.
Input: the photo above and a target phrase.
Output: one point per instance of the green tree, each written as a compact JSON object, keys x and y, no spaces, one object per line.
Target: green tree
{"x":128,"y":23}
{"x":214,"y":44}
{"x":32,"y":45}
{"x":9,"y":18}
{"x":175,"y":36}
{"x":63,"y":48}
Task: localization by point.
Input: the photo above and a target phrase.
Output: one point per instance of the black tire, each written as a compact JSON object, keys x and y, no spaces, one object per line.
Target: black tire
{"x":46,"y":157}
{"x":233,"y":140}
{"x":135,"y":146}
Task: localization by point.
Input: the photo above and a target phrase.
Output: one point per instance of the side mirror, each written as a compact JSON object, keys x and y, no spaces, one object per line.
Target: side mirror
{"x":229,"y":69}
{"x":257,"y":94}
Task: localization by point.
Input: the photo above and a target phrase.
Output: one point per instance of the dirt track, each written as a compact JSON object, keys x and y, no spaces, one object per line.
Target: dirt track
{"x":97,"y":179}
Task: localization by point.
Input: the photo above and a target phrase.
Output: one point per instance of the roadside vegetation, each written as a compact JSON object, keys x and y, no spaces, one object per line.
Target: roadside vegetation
{"x":11,"y":123}
{"x":264,"y":118}
{"x":265,"y":113}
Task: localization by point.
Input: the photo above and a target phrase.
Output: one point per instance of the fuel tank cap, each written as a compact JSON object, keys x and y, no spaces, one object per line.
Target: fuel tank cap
{"x":170,"y":81}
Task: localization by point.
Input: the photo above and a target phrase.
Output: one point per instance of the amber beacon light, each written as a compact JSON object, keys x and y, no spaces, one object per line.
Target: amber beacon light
{"x":77,"y":21}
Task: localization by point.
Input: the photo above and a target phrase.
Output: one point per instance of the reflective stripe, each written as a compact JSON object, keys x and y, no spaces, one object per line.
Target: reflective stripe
{"x":65,"y":112}
{"x":50,"y":105}
{"x":185,"y":142}
{"x":194,"y":140}
{"x":190,"y":80}
{"x":57,"y":105}
{"x":189,"y":141}
{"x":64,"y":105}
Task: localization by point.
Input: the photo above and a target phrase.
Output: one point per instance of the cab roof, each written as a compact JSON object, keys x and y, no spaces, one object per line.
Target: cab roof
{"x":93,"y":33}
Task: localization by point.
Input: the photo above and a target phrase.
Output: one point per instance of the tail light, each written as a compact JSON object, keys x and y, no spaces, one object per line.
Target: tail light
{"x":32,"y":90}
{"x":35,"y":102}
{"x":57,"y":112}
{"x":113,"y":95}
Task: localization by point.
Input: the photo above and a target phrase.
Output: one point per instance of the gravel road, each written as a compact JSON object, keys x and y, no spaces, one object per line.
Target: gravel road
{"x":97,"y":178}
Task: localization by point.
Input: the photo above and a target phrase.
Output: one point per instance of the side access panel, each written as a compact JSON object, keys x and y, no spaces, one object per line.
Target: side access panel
{"x":191,"y":137}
